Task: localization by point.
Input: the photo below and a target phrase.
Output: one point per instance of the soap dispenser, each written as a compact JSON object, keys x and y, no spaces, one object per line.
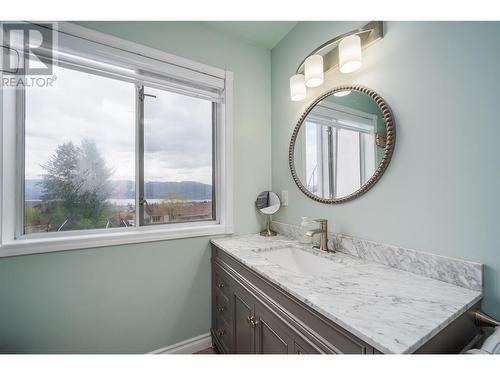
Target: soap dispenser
{"x":304,"y":227}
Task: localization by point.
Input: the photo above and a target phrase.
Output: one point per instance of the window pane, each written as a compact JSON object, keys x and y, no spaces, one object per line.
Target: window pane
{"x":79,"y":154}
{"x":178,"y":160}
{"x":348,"y":163}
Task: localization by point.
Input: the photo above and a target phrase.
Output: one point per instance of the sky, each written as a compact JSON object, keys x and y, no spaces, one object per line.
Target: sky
{"x":177,"y":137}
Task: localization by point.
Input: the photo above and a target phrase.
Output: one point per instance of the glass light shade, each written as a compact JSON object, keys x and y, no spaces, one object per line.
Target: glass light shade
{"x":342,"y":93}
{"x":297,"y":87}
{"x":314,"y":70}
{"x":350,"y":54}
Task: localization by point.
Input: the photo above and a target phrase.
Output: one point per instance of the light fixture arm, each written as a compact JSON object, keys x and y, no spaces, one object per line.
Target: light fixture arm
{"x":369,"y":33}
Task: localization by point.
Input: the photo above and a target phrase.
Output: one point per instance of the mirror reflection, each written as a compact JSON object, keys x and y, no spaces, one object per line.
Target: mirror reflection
{"x":268,"y":202}
{"x":336,"y":149}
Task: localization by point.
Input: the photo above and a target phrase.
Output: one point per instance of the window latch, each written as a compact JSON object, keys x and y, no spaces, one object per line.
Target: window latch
{"x":142,"y":94}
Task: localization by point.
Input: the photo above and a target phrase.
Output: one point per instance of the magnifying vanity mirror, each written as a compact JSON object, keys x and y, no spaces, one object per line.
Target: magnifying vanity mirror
{"x":342,"y":144}
{"x":268,"y":203}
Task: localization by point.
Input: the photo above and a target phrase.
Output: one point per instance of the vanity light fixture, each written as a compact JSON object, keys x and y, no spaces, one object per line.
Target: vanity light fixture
{"x":343,"y":51}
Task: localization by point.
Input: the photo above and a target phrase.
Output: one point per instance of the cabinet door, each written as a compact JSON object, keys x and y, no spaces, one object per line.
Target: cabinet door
{"x":272,"y":335}
{"x":243,"y":307}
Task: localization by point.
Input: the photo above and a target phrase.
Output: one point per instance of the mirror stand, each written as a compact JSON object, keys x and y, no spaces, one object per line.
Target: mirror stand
{"x":268,"y":232}
{"x":268,"y":203}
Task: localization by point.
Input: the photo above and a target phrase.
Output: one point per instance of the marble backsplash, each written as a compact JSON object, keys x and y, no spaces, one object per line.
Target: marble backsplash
{"x":454,"y":271}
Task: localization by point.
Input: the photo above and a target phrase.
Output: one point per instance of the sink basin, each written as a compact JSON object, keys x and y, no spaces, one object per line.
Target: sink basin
{"x":298,"y":260}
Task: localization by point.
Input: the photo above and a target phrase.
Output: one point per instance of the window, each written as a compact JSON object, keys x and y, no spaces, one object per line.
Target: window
{"x":80,"y":164}
{"x":121,"y":144}
{"x":79,"y":154}
{"x":178,"y":158}
{"x":341,"y":153}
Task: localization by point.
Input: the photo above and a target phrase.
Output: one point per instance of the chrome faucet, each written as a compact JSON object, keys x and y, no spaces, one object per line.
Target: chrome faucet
{"x":323,"y":232}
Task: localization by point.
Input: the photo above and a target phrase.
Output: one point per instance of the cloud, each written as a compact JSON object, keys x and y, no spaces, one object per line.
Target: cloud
{"x":178,"y":128}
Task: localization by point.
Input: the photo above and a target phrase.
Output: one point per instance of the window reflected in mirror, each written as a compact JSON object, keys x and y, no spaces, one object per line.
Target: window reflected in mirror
{"x":336,"y":151}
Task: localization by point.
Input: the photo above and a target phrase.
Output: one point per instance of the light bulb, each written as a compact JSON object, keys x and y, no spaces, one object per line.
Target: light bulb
{"x":350,"y":54}
{"x":297,"y":87}
{"x":342,"y":93}
{"x":314,"y":70}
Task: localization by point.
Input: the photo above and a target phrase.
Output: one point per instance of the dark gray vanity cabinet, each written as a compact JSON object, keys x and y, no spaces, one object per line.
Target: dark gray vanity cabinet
{"x":243,"y":324}
{"x":251,"y":315}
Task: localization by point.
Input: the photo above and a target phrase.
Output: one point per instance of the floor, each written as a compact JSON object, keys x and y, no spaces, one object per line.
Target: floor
{"x":208,"y":351}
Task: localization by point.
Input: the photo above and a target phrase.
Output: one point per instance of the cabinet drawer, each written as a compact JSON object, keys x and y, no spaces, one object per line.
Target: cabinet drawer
{"x":224,"y":333}
{"x":222,"y":307}
{"x":222,"y":283}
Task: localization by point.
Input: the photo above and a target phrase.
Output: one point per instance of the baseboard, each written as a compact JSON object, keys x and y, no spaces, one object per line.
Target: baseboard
{"x":189,"y":346}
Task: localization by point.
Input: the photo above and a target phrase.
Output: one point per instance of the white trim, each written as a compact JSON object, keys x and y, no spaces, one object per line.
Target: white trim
{"x":85,"y":241}
{"x":2,"y":121}
{"x":189,"y":346}
{"x":9,"y":165}
{"x":127,"y":61}
{"x":113,"y":41}
{"x":226,"y":183}
{"x":341,"y":119}
{"x":347,"y":110}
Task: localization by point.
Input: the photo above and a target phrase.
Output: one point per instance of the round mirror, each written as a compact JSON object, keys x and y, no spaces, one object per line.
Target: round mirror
{"x":268,"y":203}
{"x":342,"y":144}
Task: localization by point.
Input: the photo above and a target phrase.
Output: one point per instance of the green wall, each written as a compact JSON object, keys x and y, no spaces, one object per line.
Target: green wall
{"x":138,"y":298}
{"x":441,"y":191}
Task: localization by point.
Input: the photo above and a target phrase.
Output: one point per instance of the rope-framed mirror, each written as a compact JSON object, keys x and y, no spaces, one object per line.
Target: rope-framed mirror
{"x":342,"y":144}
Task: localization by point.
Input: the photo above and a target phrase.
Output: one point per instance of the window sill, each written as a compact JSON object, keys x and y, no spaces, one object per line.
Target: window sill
{"x":85,"y":241}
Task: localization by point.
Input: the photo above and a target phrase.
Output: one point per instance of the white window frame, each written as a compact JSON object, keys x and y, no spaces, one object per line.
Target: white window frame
{"x":10,"y":137}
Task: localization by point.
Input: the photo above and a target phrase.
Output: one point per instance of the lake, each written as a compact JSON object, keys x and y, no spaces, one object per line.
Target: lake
{"x":125,"y":202}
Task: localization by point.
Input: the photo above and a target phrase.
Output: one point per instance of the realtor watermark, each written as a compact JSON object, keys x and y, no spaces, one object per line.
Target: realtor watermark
{"x":28,"y":82}
{"x":27,"y":55}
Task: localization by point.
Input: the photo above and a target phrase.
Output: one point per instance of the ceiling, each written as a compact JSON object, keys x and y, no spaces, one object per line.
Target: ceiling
{"x":264,"y":34}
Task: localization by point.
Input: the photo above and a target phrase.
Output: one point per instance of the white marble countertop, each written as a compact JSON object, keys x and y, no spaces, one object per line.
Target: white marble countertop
{"x":393,"y":310}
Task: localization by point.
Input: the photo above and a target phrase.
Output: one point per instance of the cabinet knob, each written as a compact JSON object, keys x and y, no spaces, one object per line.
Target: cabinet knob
{"x":221,"y":332}
{"x":220,"y":308}
{"x":252,"y":321}
{"x":220,"y":285}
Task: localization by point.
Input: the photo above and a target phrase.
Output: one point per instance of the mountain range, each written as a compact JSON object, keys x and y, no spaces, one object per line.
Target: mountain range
{"x":124,"y":189}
